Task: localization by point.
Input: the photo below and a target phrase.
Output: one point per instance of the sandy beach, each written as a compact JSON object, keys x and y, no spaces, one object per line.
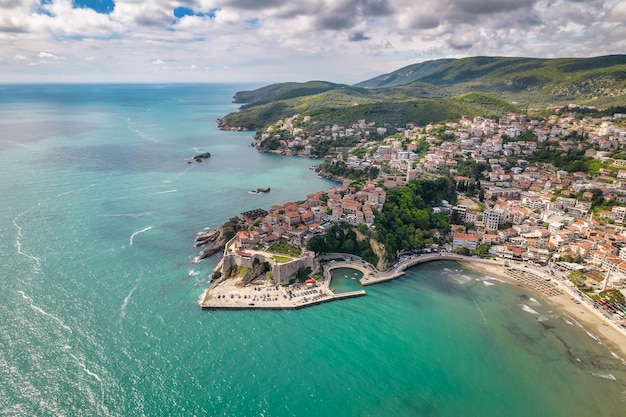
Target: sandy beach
{"x":230,"y":294}
{"x":587,"y":316}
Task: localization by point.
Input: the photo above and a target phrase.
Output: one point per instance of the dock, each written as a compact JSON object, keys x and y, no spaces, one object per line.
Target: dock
{"x":274,"y":303}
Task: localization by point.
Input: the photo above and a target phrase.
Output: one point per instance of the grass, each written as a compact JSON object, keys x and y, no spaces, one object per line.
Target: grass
{"x":242,"y":271}
{"x":285,"y":248}
{"x":281,"y":259}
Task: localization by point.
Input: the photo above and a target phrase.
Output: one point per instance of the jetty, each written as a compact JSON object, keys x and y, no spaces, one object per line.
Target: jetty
{"x":374,"y":277}
{"x":227,"y":295}
{"x":271,"y":298}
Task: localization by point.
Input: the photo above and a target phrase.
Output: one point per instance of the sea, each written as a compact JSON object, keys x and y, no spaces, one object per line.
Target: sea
{"x":99,"y":297}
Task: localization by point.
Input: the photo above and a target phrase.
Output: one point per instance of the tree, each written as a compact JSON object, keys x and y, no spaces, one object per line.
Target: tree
{"x":613,"y":296}
{"x":483,"y":250}
{"x":462,"y":251}
{"x":481,"y":195}
{"x":303,"y":273}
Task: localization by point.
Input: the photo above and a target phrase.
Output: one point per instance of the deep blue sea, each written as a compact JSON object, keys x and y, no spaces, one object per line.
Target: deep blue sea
{"x":99,"y":296}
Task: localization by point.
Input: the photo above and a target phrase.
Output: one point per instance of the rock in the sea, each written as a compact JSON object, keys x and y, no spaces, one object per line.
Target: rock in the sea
{"x":202,"y":155}
{"x":204,"y":238}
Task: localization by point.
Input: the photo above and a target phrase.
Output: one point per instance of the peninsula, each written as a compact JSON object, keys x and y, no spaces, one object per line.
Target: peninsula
{"x":537,"y":196}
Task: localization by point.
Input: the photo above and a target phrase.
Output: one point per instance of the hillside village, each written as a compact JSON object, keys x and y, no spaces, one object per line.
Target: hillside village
{"x":512,"y":202}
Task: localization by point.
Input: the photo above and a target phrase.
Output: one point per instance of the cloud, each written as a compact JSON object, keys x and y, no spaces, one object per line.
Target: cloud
{"x":19,"y":57}
{"x":359,"y":36}
{"x":272,"y":40}
{"x":47,"y":55}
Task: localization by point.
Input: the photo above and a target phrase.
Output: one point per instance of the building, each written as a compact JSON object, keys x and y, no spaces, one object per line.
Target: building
{"x":491,"y":220}
{"x":463,"y":240}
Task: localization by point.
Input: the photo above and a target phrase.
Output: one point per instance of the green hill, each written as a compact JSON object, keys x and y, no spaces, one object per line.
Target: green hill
{"x":404,"y":76}
{"x":440,"y":90}
{"x":284,"y":91}
{"x":600,"y":81}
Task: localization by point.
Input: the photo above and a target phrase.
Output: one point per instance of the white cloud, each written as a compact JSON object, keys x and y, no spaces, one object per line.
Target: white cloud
{"x":48,"y":55}
{"x":274,"y":40}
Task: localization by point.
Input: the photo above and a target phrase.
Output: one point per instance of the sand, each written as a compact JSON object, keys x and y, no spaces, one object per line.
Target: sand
{"x":586,"y":315}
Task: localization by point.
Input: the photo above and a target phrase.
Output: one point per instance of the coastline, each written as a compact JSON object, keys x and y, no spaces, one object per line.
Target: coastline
{"x":582,"y":313}
{"x":555,"y":292}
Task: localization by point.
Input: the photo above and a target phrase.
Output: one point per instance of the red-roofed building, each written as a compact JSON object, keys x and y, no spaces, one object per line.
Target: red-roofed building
{"x":292,"y":218}
{"x":463,"y":240}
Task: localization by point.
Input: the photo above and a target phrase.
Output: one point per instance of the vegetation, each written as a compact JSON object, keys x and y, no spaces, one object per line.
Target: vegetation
{"x":573,"y":160}
{"x":303,"y":273}
{"x":483,"y":250}
{"x":613,"y":296}
{"x":285,"y":248}
{"x":281,"y":259}
{"x":577,"y":278}
{"x":341,"y":169}
{"x":343,"y":238}
{"x":407,"y":220}
{"x":598,"y":80}
{"x":441,"y":90}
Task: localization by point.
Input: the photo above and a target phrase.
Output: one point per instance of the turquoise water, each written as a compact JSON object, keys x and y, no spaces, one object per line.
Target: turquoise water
{"x":345,"y":280}
{"x":99,"y":299}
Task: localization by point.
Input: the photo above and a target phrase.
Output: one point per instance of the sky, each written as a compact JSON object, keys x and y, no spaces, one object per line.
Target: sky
{"x":263,"y":41}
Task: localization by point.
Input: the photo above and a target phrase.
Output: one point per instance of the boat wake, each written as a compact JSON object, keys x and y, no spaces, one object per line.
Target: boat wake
{"x":93,"y":375}
{"x":126,"y":300}
{"x":20,"y":235}
{"x":43,"y":312}
{"x":130,"y":241}
{"x":18,"y":241}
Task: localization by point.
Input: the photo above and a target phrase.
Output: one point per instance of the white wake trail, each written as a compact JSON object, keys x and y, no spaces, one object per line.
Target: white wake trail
{"x":93,"y":375}
{"x":130,"y":241}
{"x":43,"y":312}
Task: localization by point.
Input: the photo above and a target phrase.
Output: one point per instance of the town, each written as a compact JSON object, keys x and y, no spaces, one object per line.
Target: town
{"x":532,"y":190}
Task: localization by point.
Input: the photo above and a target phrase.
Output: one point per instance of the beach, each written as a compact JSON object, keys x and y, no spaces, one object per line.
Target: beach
{"x":230,"y":294}
{"x":582,"y":313}
{"x":95,"y":326}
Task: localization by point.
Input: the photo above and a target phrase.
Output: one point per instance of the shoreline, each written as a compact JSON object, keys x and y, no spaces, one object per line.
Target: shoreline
{"x":260,"y":296}
{"x":582,"y":313}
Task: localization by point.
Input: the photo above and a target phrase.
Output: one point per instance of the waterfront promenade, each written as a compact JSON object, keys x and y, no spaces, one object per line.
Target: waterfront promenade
{"x":227,"y":295}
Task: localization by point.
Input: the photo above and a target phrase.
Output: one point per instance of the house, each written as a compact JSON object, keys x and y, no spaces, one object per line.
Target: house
{"x":464,"y":240}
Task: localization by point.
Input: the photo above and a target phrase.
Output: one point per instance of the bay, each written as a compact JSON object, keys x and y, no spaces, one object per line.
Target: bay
{"x":99,"y":299}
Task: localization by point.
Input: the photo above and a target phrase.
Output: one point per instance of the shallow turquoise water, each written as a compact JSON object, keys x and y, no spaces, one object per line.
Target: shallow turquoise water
{"x":99,"y":296}
{"x":345,"y":280}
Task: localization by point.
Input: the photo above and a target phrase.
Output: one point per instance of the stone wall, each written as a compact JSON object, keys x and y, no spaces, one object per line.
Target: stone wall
{"x":281,"y":272}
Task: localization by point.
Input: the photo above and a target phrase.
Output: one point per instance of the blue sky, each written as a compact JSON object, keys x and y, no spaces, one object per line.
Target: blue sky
{"x":286,"y":40}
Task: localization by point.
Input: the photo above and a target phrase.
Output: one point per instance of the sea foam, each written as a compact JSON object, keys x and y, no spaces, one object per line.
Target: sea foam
{"x":528,"y":309}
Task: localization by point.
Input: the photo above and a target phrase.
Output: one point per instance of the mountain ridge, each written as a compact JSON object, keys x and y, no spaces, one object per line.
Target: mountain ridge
{"x":511,"y":83}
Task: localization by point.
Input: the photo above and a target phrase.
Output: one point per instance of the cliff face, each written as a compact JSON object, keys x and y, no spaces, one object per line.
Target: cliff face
{"x":378,"y":249}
